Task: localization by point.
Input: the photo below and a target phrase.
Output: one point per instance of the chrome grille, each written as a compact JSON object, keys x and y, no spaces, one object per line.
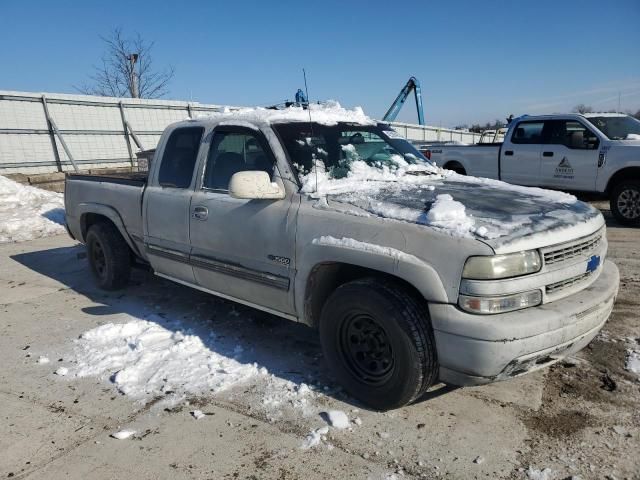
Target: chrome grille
{"x":571,"y":251}
{"x":569,"y":282}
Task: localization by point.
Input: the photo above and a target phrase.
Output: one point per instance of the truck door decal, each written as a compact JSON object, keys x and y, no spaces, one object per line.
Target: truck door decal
{"x":564,"y":169}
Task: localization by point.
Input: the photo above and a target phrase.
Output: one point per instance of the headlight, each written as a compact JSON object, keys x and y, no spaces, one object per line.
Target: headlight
{"x":500,"y":304}
{"x":502,"y":266}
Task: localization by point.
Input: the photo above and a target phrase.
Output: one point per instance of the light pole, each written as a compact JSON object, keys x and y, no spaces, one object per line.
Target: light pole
{"x":133,"y":81}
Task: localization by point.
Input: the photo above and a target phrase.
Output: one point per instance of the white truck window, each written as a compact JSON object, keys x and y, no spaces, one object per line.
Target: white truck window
{"x":570,"y":133}
{"x":528,"y":133}
{"x":179,"y":158}
{"x":233,"y":152}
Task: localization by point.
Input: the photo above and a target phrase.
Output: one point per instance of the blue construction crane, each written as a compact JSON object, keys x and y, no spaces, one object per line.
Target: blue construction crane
{"x":396,"y":106}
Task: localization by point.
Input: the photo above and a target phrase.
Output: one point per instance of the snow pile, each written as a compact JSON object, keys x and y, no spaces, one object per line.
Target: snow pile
{"x":535,"y":474}
{"x":449,"y":214}
{"x":314,"y":438}
{"x":123,"y":434}
{"x":367,"y":247}
{"x":328,"y":113}
{"x":153,"y":357}
{"x":364,"y":178}
{"x":27,"y":212}
{"x":337,"y":419}
{"x":198,"y":414}
{"x":632,"y":136}
{"x":632,"y":363}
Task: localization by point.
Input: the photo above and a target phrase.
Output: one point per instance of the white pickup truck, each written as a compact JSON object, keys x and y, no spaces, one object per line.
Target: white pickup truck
{"x":594,"y":152}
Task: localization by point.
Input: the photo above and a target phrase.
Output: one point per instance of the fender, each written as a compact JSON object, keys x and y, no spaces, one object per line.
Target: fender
{"x":110,"y":213}
{"x":422,"y":276}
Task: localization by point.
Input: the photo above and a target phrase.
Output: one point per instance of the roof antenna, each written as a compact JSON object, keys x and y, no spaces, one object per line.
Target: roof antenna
{"x":306,"y":89}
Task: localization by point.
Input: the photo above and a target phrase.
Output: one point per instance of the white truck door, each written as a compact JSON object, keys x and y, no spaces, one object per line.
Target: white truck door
{"x":569,"y":156}
{"x":520,"y":154}
{"x":242,"y":248}
{"x":166,"y":204}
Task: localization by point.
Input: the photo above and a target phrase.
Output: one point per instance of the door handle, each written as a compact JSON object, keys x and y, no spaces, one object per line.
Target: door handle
{"x":508,"y":153}
{"x":547,"y":154}
{"x":200,"y":212}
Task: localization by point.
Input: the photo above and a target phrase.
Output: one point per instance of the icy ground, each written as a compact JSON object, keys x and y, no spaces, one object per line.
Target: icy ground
{"x":27,"y":212}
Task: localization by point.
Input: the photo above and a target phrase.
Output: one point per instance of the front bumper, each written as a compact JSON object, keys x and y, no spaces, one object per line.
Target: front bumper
{"x":477,"y":349}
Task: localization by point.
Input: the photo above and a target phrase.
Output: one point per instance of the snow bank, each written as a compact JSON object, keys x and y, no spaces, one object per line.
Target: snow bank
{"x":27,"y":212}
{"x":632,"y":136}
{"x":329,"y":113}
{"x":146,"y":358}
{"x":367,"y":247}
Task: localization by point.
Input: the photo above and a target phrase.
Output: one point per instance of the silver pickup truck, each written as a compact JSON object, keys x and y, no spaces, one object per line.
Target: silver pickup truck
{"x":412,"y":274}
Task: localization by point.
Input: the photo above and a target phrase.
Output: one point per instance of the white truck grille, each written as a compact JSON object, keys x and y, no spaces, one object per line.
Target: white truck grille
{"x":567,"y":252}
{"x":569,"y":282}
{"x":570,"y":257}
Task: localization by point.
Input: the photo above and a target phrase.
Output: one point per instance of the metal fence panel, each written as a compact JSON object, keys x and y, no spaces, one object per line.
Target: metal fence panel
{"x":83,"y":131}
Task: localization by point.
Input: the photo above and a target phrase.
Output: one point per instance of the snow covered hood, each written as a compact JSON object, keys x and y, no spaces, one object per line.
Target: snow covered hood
{"x":506,"y":217}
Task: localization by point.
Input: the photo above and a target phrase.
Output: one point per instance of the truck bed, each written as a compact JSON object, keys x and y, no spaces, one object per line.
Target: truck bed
{"x":118,"y":193}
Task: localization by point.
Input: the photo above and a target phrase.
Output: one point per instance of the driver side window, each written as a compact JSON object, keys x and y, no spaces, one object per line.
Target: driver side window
{"x":572,"y":134}
{"x":233,"y":152}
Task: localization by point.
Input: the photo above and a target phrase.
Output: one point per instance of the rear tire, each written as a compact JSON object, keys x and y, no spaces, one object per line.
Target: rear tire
{"x":109,"y":256}
{"x":625,"y":202}
{"x":456,"y":167}
{"x":378,"y":341}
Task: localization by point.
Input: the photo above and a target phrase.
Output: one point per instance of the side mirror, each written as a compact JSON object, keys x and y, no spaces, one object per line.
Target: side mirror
{"x":254,"y":184}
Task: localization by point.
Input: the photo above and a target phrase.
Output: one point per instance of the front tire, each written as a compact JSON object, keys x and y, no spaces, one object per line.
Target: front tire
{"x":625,"y":202}
{"x":109,"y":256}
{"x":378,"y":341}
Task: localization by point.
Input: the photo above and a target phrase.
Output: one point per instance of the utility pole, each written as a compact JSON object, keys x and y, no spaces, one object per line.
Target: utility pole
{"x":133,"y":81}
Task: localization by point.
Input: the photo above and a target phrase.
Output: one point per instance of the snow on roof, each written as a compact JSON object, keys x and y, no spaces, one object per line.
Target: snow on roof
{"x":329,"y":113}
{"x":604,"y":114}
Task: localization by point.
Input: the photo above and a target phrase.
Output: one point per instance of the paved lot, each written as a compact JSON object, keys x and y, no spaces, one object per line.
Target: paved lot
{"x":58,"y":427}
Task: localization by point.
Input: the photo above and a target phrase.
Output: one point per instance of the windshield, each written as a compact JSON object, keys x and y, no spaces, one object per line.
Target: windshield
{"x":617,"y":128}
{"x":337,"y":147}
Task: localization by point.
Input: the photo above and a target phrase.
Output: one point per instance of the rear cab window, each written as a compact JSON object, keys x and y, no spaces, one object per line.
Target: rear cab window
{"x":528,"y":133}
{"x":179,"y":157}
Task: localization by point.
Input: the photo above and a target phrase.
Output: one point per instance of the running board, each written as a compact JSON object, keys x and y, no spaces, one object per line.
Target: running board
{"x":229,"y":297}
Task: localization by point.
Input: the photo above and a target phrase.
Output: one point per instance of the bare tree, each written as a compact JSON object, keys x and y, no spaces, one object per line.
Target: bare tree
{"x":127,"y":70}
{"x":582,"y":108}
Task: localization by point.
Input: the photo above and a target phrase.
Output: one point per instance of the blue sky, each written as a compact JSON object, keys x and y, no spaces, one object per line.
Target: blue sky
{"x":477,"y":61}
